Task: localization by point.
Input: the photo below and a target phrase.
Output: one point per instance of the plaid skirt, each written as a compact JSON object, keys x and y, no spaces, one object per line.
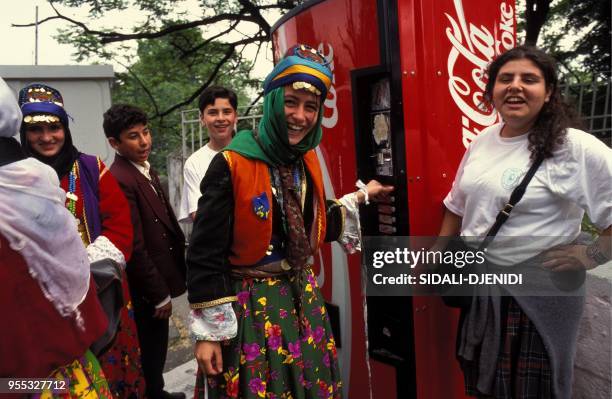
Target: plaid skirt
{"x":523,"y":368}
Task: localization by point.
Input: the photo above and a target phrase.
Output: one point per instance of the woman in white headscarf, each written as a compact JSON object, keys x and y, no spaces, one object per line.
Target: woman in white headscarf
{"x":46,"y":290}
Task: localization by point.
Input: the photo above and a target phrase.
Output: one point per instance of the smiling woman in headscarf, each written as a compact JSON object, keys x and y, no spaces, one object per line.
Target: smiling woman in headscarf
{"x":47,"y":296}
{"x":262,"y":217}
{"x":94,"y":198}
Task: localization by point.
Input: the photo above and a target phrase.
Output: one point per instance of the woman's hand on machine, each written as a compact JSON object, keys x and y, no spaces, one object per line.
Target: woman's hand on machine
{"x":376,"y":192}
{"x":209,"y":357}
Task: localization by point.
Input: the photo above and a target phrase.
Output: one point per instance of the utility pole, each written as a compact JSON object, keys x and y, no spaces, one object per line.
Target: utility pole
{"x":36,"y":39}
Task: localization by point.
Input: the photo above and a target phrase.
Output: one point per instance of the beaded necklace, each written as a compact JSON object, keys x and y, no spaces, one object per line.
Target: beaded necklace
{"x":72,"y":196}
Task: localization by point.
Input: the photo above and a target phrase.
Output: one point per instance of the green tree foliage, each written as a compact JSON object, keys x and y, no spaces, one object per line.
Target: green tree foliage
{"x":163,"y":76}
{"x":234,"y":25}
{"x":588,"y":21}
{"x":182,"y":47}
{"x":576,"y":33}
{"x":185,"y":45}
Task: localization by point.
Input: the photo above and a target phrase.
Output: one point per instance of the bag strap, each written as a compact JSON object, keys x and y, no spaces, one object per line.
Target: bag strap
{"x":515,"y":197}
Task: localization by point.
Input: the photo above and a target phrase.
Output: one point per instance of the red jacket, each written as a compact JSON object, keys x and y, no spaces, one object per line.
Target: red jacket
{"x":34,"y":338}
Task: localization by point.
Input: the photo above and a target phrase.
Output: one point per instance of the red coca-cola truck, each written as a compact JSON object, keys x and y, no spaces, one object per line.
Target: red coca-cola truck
{"x":408,"y":78}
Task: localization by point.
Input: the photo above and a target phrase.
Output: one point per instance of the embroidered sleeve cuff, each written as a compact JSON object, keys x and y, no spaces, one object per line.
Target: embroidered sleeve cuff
{"x":220,"y":301}
{"x":103,"y":248}
{"x":350,"y":239}
{"x":217,"y":323}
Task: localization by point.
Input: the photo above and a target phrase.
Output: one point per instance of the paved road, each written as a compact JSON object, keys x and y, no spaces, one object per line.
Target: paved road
{"x":180,"y":345}
{"x":180,"y":370}
{"x":181,"y":378}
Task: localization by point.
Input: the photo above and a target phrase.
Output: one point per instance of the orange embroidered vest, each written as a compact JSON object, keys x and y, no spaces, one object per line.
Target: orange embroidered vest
{"x":252,"y":231}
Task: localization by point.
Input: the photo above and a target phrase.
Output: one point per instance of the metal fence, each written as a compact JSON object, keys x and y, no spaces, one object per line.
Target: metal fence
{"x":592,"y":100}
{"x":194,"y":135}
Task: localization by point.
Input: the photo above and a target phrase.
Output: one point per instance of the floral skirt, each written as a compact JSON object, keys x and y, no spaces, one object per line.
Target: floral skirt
{"x":284,"y":347}
{"x":121,"y":362}
{"x":85,"y":380}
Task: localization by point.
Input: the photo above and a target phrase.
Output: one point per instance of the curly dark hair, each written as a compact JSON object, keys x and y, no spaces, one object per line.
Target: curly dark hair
{"x":556,"y":115}
{"x":120,"y":117}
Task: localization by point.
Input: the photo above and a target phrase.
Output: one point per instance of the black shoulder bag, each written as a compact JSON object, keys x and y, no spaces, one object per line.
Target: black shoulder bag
{"x":463,"y":301}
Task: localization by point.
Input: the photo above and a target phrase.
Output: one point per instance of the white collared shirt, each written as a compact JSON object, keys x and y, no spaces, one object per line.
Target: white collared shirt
{"x":144,"y":169}
{"x":146,"y":172}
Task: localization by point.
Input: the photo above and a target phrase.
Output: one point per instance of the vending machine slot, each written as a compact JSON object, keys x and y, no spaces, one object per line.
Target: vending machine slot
{"x":379,"y":139}
{"x":387,"y":229}
{"x":385,"y":209}
{"x":386,"y":219}
{"x":377,"y":154}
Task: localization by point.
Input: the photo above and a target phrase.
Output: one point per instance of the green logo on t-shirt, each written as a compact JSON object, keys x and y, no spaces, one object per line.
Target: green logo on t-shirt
{"x":511,"y":178}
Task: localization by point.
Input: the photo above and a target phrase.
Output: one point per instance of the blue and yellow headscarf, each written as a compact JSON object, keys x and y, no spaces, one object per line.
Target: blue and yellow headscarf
{"x":271,"y":143}
{"x":296,"y":68}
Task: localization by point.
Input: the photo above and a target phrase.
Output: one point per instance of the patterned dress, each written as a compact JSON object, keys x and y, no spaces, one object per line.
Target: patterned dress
{"x":85,"y":380}
{"x":284,"y":346}
{"x":121,"y":361}
{"x":274,"y":354}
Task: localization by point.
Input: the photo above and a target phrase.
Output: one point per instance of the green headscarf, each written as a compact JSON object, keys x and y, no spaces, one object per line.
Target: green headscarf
{"x":271,"y":142}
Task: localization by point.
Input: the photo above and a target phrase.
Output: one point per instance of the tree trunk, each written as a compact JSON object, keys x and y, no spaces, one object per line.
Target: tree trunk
{"x":536,"y":14}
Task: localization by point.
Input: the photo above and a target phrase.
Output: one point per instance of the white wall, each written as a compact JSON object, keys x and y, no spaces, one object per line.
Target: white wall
{"x":86,"y":93}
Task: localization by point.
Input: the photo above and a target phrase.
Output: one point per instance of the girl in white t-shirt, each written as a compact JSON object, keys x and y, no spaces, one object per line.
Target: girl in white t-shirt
{"x":527,"y":348}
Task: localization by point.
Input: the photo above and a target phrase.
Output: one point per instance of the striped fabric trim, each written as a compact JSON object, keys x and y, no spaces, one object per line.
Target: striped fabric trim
{"x":293,"y":69}
{"x":210,"y":304}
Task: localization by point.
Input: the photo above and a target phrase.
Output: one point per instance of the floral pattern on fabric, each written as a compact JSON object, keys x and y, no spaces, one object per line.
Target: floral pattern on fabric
{"x":216,"y":323}
{"x":350,"y":240}
{"x":121,"y":362}
{"x":275,"y":354}
{"x":85,"y":380}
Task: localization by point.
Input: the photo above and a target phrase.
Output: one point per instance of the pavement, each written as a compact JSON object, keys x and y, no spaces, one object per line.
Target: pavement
{"x":181,"y":378}
{"x":181,"y":367}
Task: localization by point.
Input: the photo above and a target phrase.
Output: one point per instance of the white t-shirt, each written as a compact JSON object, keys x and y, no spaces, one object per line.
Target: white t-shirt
{"x":193,"y":172}
{"x":576,"y":179}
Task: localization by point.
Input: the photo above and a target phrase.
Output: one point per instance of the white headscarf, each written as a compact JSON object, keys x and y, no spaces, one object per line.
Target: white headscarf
{"x":36,"y":223}
{"x":10,"y":114}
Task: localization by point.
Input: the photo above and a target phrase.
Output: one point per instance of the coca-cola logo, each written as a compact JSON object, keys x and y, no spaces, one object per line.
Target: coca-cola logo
{"x":473,"y":48}
{"x":331,"y":101}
